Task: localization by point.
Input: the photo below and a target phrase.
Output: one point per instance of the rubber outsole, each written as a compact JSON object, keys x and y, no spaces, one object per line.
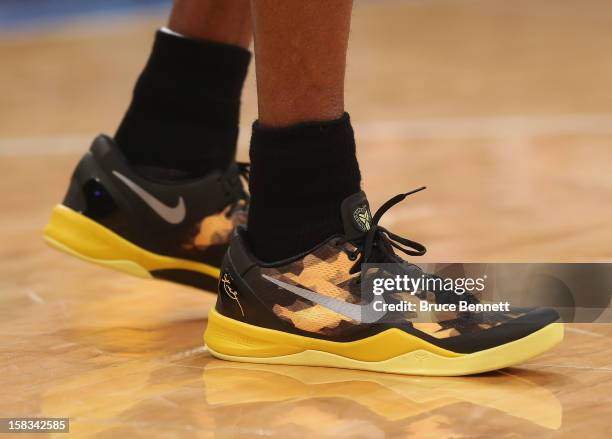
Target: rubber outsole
{"x":75,"y":234}
{"x":391,"y":351}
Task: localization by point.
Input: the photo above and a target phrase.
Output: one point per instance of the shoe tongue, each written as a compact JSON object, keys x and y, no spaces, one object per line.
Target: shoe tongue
{"x":356,"y":215}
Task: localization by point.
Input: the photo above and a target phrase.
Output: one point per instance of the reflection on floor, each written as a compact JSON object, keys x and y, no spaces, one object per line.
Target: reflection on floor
{"x":288,"y":396}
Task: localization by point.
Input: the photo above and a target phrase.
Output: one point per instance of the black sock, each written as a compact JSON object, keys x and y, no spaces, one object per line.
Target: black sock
{"x":299,"y":177}
{"x":185,"y":108}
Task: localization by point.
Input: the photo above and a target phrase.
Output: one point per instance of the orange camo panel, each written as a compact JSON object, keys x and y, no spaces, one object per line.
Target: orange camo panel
{"x":326,"y":271}
{"x":436,"y":330}
{"x":216,"y":229}
{"x":323,"y":271}
{"x":314,"y":318}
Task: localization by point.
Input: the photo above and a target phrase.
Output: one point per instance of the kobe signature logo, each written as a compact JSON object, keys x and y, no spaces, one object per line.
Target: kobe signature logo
{"x":226,"y":281}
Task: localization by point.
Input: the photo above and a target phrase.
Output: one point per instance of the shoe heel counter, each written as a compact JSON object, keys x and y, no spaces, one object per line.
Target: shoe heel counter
{"x":237,"y":300}
{"x":231,"y":294}
{"x":75,"y":197}
{"x":86,"y":192}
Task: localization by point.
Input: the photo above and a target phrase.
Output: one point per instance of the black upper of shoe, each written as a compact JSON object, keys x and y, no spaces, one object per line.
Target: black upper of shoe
{"x":264,"y":303}
{"x":185,"y":218}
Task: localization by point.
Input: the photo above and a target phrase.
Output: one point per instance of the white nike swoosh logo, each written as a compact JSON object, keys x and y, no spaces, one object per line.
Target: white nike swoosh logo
{"x":359,"y":313}
{"x":172,"y":215}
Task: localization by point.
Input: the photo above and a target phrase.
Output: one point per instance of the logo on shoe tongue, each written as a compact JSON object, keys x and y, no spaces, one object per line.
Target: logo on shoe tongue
{"x":362,"y":218}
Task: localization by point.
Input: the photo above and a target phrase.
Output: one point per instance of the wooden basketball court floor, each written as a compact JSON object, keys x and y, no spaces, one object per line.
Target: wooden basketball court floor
{"x":503,"y":109}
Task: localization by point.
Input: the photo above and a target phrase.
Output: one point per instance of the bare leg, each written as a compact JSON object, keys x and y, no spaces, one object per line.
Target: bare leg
{"x":300,"y":51}
{"x":223,"y":21}
{"x":303,"y":162}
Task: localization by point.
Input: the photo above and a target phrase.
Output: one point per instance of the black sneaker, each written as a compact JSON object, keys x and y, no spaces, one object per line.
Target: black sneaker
{"x":147,"y":222}
{"x":312,"y":310}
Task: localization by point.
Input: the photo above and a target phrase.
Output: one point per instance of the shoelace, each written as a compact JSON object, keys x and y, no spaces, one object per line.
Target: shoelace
{"x":244,"y":171}
{"x":376,"y":244}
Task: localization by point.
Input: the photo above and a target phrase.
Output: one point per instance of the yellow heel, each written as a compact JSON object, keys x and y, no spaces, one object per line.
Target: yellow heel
{"x":77,"y":235}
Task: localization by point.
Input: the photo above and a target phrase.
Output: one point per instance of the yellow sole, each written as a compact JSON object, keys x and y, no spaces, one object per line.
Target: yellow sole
{"x":77,"y":235}
{"x":391,"y":351}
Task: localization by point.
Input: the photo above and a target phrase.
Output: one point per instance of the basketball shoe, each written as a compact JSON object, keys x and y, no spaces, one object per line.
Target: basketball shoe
{"x":312,"y":310}
{"x":146,"y":222}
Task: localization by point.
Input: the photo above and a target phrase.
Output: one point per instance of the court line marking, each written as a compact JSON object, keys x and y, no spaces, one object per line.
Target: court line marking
{"x":486,"y":127}
{"x":569,"y":366}
{"x":495,"y":127}
{"x":585,"y":332}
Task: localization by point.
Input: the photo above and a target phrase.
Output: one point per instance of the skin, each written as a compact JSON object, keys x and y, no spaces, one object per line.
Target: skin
{"x":300,"y":54}
{"x":223,"y":21}
{"x":300,"y":50}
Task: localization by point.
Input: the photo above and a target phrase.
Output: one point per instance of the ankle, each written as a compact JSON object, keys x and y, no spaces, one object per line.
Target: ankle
{"x":296,"y":205}
{"x":185,"y":109}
